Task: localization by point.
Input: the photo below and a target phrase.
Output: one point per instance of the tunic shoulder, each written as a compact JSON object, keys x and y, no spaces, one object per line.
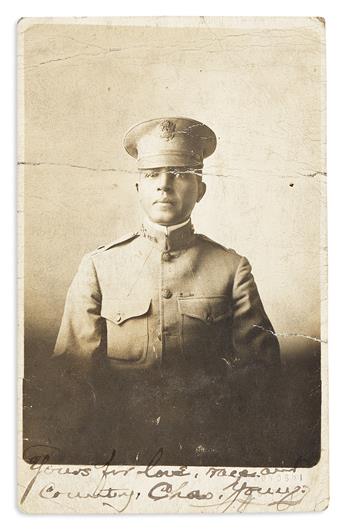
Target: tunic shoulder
{"x":119,"y":241}
{"x":219,"y":246}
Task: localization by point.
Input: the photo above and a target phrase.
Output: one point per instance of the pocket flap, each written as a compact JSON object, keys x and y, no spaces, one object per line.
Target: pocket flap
{"x":207,"y":309}
{"x":120,"y":310}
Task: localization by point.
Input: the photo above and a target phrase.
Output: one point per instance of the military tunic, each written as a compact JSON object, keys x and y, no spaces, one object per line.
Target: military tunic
{"x":153,"y":299}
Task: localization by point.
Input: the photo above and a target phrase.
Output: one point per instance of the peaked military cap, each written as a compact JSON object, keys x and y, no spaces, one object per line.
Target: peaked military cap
{"x":174,"y":142}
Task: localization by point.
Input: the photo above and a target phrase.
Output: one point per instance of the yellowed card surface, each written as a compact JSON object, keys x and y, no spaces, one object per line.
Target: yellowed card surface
{"x":216,"y":431}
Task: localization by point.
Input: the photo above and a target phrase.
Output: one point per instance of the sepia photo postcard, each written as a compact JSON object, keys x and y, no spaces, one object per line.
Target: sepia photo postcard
{"x":172,"y":265}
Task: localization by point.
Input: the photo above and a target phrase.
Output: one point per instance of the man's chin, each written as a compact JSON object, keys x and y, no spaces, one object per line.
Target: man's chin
{"x":164,"y":220}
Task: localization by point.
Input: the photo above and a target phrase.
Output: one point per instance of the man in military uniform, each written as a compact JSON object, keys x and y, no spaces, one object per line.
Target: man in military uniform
{"x":164,"y":325}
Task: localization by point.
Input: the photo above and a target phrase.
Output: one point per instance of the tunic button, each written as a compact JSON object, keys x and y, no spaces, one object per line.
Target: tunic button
{"x":166,"y":293}
{"x":166,"y":256}
{"x":118,"y":318}
{"x":159,"y":337}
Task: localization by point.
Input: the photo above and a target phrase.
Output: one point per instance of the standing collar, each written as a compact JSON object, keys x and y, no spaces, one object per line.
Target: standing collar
{"x":167,"y":229}
{"x":171,"y":237}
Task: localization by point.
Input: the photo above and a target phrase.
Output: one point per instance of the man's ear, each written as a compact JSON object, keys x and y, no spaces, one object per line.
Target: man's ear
{"x":201,"y":191}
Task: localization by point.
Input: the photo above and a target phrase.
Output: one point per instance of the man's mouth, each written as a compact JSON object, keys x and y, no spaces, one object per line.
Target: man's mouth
{"x":164,"y":201}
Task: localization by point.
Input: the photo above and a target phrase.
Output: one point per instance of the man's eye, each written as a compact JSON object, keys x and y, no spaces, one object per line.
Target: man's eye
{"x":150,"y":174}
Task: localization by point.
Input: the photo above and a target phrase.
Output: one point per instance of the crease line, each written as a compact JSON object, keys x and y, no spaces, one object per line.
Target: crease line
{"x":290,"y":334}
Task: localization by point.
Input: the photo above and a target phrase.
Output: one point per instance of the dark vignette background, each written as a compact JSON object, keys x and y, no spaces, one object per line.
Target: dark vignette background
{"x":280,"y":429}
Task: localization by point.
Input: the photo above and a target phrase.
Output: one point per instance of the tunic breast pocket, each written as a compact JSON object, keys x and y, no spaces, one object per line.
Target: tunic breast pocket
{"x":205,"y":325}
{"x":127,"y":328}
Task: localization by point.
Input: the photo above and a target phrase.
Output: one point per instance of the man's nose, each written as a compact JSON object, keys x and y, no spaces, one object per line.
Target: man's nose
{"x":165,"y":181}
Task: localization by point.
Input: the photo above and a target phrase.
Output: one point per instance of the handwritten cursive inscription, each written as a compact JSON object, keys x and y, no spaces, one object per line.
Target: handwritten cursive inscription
{"x":122,"y":488}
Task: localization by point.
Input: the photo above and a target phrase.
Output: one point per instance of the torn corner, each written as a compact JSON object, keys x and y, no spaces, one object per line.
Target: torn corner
{"x":322,"y":20}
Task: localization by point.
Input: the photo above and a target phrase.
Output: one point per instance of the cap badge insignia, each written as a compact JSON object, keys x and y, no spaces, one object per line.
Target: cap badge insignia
{"x":168,"y":129}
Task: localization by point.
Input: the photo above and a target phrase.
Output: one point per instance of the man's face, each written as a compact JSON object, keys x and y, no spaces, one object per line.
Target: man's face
{"x":168,"y":195}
